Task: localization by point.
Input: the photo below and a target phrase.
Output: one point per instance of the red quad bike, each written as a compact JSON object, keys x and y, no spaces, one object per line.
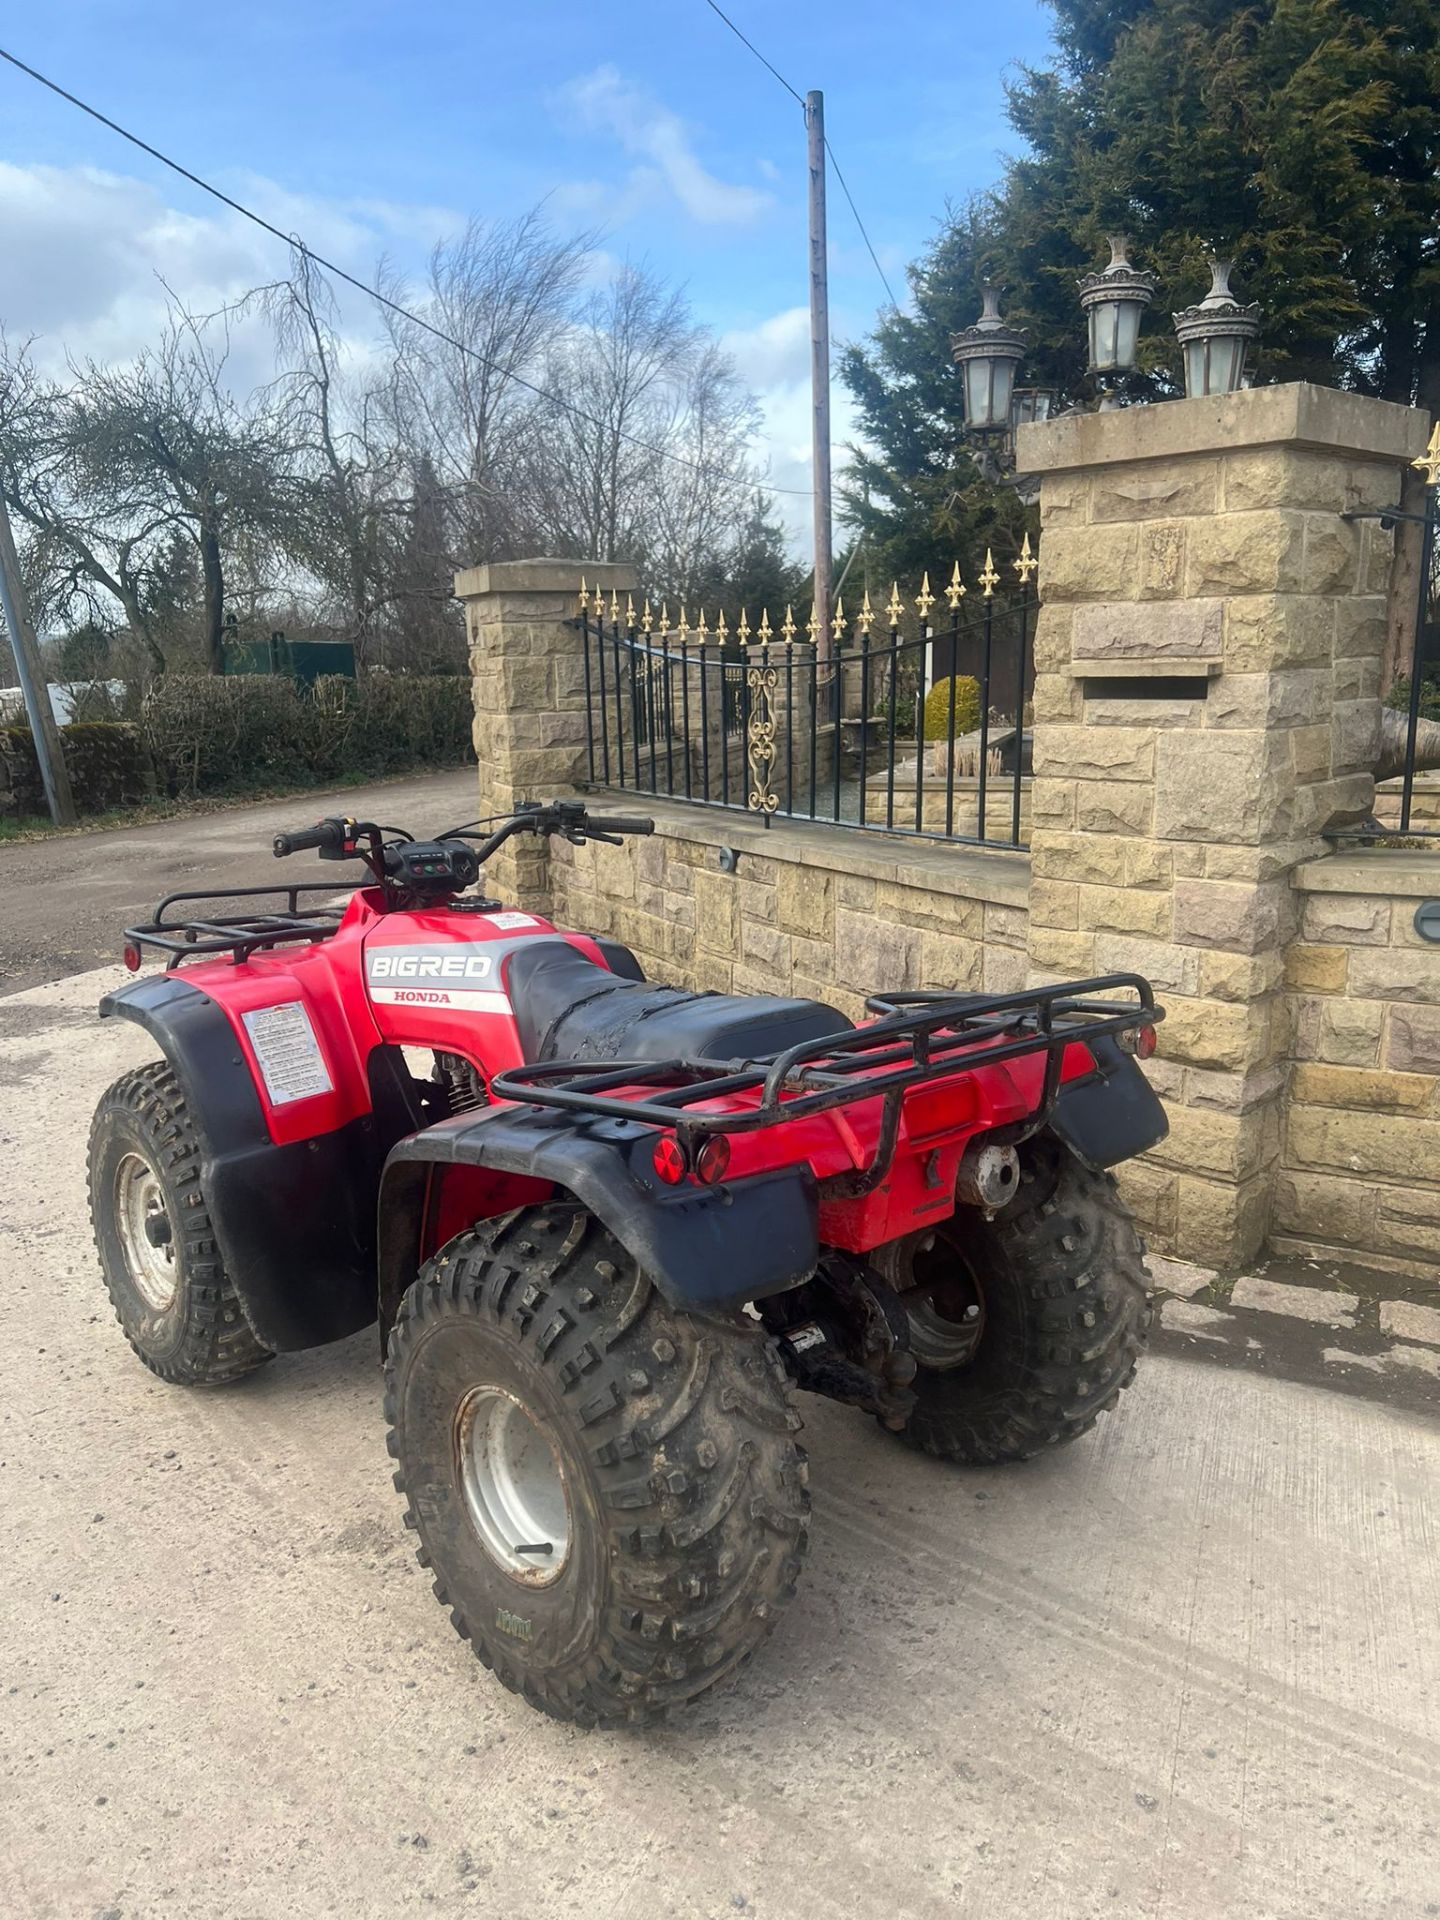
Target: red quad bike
{"x":605,"y":1226}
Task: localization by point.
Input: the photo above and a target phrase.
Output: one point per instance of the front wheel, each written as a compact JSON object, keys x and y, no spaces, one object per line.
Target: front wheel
{"x":1026,"y":1326}
{"x":162,"y":1266}
{"x":608,"y":1490}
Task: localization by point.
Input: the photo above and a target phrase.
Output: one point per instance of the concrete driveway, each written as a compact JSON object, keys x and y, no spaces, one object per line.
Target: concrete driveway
{"x":65,"y":898}
{"x":1185,"y":1668}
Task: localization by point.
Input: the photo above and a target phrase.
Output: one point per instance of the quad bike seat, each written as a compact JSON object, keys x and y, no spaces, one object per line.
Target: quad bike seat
{"x":568,"y":1008}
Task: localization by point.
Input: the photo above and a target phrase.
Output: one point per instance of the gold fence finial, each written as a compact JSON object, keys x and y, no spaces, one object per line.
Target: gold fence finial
{"x":682,"y":626}
{"x":955,"y":592}
{"x":664,"y":616}
{"x":866,"y":616}
{"x":1429,"y":461}
{"x":722,"y":630}
{"x":1027,"y":563}
{"x":614,"y":604}
{"x":629,"y":609}
{"x":763,"y":630}
{"x":743,"y":629}
{"x":812,"y":625}
{"x":989,"y":578}
{"x":838,"y":624}
{"x":584,"y":594}
{"x":787,"y":625}
{"x":896,"y":606}
{"x":647,"y":616}
{"x":924,"y":600}
{"x":702,"y":632}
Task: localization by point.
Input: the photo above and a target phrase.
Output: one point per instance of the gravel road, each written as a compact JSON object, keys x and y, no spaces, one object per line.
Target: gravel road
{"x":1187,"y":1668}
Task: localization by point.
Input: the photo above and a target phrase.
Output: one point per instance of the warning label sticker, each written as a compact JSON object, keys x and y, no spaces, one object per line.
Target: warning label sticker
{"x":512,"y":920}
{"x":289,"y":1054}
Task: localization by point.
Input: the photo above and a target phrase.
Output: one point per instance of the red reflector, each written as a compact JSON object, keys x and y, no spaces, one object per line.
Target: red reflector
{"x":1144,"y":1043}
{"x":712,"y":1162}
{"x":131,"y":956}
{"x":670,"y":1160}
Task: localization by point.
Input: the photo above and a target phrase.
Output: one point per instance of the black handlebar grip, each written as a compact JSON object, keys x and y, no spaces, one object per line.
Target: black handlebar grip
{"x":618,"y":823}
{"x":326,"y":834}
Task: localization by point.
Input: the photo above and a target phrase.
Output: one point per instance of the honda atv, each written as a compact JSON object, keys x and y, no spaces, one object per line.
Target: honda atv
{"x":605,"y":1226}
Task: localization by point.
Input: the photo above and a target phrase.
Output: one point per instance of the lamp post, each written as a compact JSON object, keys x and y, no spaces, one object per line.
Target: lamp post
{"x":1215,"y":337}
{"x":988,"y":355}
{"x":1114,"y":301}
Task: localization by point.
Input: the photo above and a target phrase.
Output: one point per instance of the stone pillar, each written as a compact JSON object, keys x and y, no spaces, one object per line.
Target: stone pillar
{"x":528,"y":672}
{"x":1207,"y":701}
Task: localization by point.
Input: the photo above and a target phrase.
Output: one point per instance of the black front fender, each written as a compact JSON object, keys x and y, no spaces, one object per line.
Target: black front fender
{"x":707,"y":1249}
{"x":294,"y":1224}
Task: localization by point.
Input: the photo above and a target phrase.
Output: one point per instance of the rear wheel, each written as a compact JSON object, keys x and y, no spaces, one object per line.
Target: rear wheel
{"x":608,"y":1490}
{"x":157,"y":1247}
{"x":1026,"y":1326}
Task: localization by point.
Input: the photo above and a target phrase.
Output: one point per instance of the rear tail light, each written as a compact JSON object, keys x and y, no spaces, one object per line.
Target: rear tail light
{"x":712,"y":1162}
{"x":1138,"y":1040}
{"x":131,"y":956}
{"x":671,"y":1161}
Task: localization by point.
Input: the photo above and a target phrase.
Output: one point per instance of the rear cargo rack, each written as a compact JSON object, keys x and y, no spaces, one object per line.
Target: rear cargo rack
{"x":238,"y":936}
{"x":922,"y":1037}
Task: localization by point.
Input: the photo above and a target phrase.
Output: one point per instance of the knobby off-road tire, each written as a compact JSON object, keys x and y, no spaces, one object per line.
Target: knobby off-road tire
{"x":1064,"y":1313}
{"x":685,"y":1489}
{"x":169,"y":1287}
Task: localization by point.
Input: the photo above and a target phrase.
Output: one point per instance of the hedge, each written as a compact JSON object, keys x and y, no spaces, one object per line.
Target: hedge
{"x":211,"y":735}
{"x":200,"y":734}
{"x":107,"y":762}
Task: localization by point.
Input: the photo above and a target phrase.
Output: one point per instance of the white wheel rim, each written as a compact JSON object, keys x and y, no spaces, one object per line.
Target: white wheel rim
{"x":147,"y":1236}
{"x":514,"y":1485}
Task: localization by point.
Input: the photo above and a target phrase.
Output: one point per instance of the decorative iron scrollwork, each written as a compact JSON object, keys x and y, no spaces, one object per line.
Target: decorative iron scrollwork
{"x":760,"y":739}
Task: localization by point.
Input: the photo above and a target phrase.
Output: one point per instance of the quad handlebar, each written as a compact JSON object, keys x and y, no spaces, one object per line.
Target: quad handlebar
{"x":390,"y":852}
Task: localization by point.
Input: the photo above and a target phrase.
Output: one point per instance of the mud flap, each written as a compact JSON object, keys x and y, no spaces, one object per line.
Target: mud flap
{"x":1110,"y":1115}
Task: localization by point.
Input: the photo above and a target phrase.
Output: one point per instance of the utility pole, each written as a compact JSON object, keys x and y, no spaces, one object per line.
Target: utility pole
{"x":819,"y":368}
{"x":48,"y":750}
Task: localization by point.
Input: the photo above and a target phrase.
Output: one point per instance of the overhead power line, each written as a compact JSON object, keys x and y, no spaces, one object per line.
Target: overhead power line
{"x":794,"y":95}
{"x":861,"y":225}
{"x":371,"y":293}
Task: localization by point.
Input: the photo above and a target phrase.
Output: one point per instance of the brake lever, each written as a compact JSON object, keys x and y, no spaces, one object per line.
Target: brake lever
{"x":610,"y":839}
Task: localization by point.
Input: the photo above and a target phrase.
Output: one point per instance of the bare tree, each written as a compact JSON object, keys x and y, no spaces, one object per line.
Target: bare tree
{"x":502,"y":294}
{"x":164,"y":443}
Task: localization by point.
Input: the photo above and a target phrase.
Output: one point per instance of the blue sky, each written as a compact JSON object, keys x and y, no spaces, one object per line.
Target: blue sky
{"x":377,"y":127}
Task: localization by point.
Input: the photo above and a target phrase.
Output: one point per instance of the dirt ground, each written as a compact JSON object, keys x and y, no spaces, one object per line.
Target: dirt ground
{"x":66,"y":898}
{"x":1188,"y":1668}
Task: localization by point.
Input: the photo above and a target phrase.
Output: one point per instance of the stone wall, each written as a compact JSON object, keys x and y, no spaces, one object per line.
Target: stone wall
{"x":807,"y":910}
{"x":1207,"y":701}
{"x":1361,"y":1151}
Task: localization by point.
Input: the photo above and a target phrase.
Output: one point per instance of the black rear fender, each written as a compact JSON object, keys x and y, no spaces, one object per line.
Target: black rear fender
{"x":707,"y":1249}
{"x":295,"y":1224}
{"x":1113,"y":1113}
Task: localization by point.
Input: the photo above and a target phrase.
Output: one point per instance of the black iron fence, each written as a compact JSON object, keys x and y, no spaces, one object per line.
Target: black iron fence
{"x":1406,"y":802}
{"x":905,"y":724}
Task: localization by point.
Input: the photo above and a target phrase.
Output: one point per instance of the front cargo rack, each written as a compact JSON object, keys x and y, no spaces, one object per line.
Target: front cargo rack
{"x":238,"y":935}
{"x":921,"y":1037}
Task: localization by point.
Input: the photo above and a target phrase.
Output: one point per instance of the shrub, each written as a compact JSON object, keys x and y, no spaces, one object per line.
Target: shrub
{"x":106,"y":759}
{"x":213,"y":735}
{"x":967,"y":708}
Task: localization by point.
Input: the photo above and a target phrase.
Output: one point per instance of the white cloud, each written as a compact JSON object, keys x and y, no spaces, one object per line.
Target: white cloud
{"x":604,"y":101}
{"x":85,"y":252}
{"x":773,"y":359}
